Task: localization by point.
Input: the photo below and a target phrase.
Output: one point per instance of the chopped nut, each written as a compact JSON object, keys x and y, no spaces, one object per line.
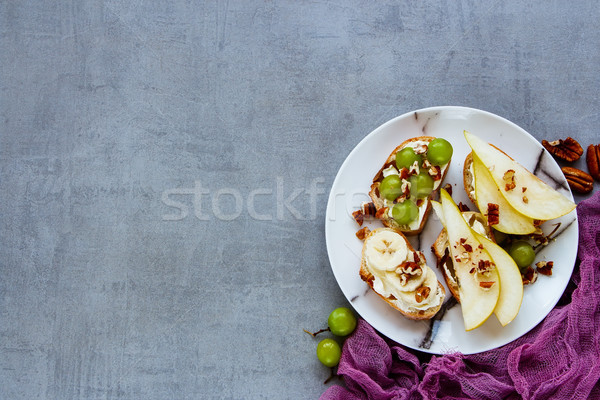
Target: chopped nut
{"x":529,"y":276}
{"x":404,"y":174}
{"x":463,"y":207}
{"x":366,"y":210}
{"x":362,"y":233}
{"x":472,"y":271}
{"x":405,"y":188}
{"x":358,"y":217}
{"x":493,"y":214}
{"x":568,"y":150}
{"x":381,"y":212}
{"x":369,"y":209}
{"x":417,"y":256}
{"x":448,"y":188}
{"x":410,"y":268}
{"x":523,"y":189}
{"x":404,"y":279}
{"x":421,"y":149}
{"x":509,"y":180}
{"x":545,"y":267}
{"x":525,"y":200}
{"x":435,"y":172}
{"x":484,"y":266}
{"x":422,"y":293}
{"x":486,"y":285}
{"x":468,"y":248}
{"x":414,"y":168}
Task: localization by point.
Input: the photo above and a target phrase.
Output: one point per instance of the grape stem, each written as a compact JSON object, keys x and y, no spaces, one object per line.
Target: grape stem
{"x":332,"y":376}
{"x":313,"y":334}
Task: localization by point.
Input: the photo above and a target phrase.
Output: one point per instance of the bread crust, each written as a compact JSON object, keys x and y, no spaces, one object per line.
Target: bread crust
{"x":468,"y":181}
{"x":378,"y":200}
{"x":366,"y":276}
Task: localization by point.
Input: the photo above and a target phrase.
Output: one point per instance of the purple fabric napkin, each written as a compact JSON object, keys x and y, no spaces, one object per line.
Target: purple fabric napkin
{"x":559,"y":359}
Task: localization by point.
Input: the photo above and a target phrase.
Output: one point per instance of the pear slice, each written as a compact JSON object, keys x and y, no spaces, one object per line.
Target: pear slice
{"x":486,"y":192}
{"x":477,"y":302}
{"x":524,"y":191}
{"x":511,"y":290}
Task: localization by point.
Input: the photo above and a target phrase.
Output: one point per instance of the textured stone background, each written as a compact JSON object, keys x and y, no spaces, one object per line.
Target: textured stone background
{"x":106,"y":291}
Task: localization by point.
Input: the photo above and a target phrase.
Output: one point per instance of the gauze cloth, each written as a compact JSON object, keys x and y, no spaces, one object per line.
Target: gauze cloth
{"x":558,"y":359}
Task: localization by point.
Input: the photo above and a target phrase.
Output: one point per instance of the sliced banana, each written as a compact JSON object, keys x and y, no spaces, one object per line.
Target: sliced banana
{"x":429,"y":279}
{"x":386,"y":250}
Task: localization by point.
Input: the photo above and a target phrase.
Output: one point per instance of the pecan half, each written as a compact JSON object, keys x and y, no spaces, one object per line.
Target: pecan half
{"x":593,"y":160}
{"x":422,"y":293}
{"x":544,"y":267}
{"x":578,"y":180}
{"x":568,"y":150}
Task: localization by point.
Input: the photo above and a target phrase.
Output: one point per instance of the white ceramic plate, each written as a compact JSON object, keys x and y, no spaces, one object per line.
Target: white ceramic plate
{"x":349,"y":190}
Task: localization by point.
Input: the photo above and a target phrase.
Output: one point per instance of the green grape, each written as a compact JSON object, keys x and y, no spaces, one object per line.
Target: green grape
{"x":341,"y":321}
{"x":522,"y":253}
{"x":421,"y":185}
{"x":390,"y":187}
{"x":405,"y":212}
{"x":406,"y":157}
{"x":439,"y":151}
{"x":329,"y":352}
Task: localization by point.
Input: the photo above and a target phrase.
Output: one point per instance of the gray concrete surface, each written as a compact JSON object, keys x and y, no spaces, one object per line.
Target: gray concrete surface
{"x":159,"y":238}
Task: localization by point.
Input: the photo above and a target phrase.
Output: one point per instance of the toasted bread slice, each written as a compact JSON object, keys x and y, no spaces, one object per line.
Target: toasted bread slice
{"x":383,"y":206}
{"x":434,"y":295}
{"x":442,"y":253}
{"x":468,"y":180}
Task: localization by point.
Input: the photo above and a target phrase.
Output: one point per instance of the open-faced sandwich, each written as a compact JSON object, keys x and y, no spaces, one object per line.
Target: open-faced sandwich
{"x":404,"y":186}
{"x":480,"y":274}
{"x":441,"y":249}
{"x":400,"y":275}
